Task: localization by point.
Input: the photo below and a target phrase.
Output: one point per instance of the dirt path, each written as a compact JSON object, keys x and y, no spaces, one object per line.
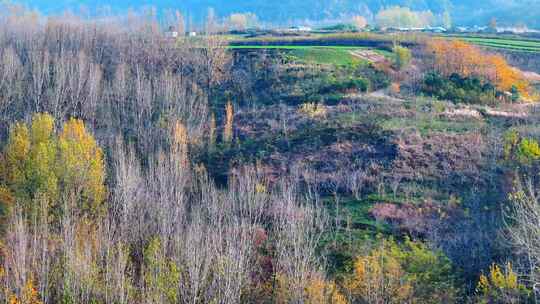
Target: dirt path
{"x":518,"y":112}
{"x":531,"y":76}
{"x":382,"y":94}
{"x":370,"y":56}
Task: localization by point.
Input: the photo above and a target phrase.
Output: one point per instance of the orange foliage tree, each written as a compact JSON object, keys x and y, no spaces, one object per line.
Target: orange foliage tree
{"x":316,"y":290}
{"x":458,"y":57}
{"x":180,"y":144}
{"x":29,"y":295}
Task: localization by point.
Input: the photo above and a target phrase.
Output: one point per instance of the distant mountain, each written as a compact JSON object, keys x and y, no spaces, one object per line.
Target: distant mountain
{"x":463,"y":12}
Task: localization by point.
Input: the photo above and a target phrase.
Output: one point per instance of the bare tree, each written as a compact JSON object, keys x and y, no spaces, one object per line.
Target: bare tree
{"x":523,"y":223}
{"x":169,"y":234}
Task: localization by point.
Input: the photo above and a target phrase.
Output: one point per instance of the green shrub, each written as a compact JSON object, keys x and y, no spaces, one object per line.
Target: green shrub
{"x":411,"y":272}
{"x":430,"y":271}
{"x":529,"y":149}
{"x":459,"y":89}
{"x":520,"y":151}
{"x":378,"y":79}
{"x":342,"y":86}
{"x":161,"y":274}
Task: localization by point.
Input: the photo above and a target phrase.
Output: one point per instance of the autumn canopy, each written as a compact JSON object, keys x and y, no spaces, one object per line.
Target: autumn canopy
{"x":458,"y":57}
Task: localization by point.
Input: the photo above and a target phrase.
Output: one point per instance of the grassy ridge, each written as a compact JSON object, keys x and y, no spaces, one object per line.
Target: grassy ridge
{"x":374,"y":40}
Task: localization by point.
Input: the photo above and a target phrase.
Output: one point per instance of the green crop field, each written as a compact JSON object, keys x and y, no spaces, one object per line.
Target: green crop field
{"x":337,"y":55}
{"x":524,"y":45}
{"x":294,"y":47}
{"x":383,"y":41}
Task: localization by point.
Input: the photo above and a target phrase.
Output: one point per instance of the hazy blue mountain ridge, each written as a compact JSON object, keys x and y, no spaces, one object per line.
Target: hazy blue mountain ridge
{"x":463,"y":12}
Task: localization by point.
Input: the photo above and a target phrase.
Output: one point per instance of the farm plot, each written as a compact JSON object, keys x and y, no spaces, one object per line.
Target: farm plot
{"x":511,"y":44}
{"x":336,"y":55}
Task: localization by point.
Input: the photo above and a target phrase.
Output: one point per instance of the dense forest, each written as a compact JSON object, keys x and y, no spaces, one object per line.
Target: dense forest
{"x":140,"y":168}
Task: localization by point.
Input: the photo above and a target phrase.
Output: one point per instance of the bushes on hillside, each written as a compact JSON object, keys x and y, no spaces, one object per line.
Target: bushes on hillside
{"x":408,"y":273}
{"x":520,"y":151}
{"x":501,"y":286}
{"x":313,"y":110}
{"x":356,"y":84}
{"x":402,"y":56}
{"x":459,"y":89}
{"x":454,"y":57}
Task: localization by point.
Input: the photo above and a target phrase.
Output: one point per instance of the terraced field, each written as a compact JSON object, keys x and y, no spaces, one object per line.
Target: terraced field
{"x":342,"y":53}
{"x":524,"y":45}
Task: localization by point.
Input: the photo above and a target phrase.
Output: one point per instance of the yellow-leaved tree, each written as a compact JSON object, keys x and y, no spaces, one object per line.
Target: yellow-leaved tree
{"x":379,"y":278}
{"x":315,"y":289}
{"x":39,"y":164}
{"x":81,"y":166}
{"x":401,"y":273}
{"x":28,"y":162}
{"x":320,"y":291}
{"x":501,"y":286}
